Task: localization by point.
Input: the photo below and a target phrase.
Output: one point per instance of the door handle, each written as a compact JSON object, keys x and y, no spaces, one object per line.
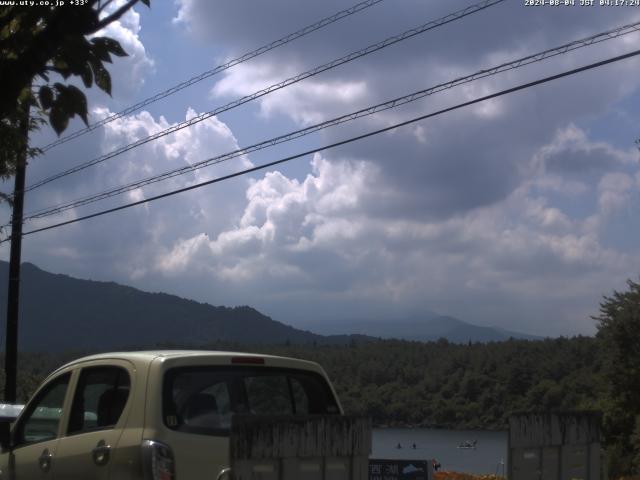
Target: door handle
{"x":101,"y":453}
{"x":44,"y":460}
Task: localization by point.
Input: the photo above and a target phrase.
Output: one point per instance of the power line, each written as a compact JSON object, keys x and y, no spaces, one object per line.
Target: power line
{"x":342,"y":142}
{"x":527,"y":60}
{"x":290,"y":81}
{"x":220,"y":68}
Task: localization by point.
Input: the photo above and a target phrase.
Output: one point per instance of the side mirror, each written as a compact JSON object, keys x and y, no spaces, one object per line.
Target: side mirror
{"x":5,"y":435}
{"x":8,"y":415}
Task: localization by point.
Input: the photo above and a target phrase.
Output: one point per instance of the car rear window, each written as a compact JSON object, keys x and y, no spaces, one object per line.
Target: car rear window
{"x":203,"y":399}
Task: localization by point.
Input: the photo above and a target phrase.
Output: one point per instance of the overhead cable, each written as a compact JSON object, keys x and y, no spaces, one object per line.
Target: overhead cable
{"x":265,"y":91}
{"x":220,"y":68}
{"x":337,"y":144}
{"x":396,"y":102}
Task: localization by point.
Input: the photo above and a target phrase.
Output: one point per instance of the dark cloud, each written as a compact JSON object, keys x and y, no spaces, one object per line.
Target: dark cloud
{"x":461,"y":214}
{"x":582,"y":162}
{"x":472,"y":157}
{"x":244,"y":26}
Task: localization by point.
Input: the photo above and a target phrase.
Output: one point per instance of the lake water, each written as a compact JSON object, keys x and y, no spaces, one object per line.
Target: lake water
{"x":491,"y":448}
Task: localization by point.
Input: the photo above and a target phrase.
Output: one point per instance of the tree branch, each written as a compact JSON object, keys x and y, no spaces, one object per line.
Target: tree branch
{"x":101,"y":7}
{"x":115,"y":15}
{"x":17,"y":72}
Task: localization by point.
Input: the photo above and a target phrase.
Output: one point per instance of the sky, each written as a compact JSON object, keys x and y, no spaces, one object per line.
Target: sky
{"x":519,"y":212}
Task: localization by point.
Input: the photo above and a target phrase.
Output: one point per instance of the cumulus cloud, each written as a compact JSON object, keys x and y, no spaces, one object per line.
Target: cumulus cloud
{"x":445,"y":165}
{"x":573,"y":153}
{"x":299,"y":101}
{"x":133,"y":238}
{"x":321,"y":235}
{"x":504,"y":213}
{"x":130,"y":71}
{"x":614,"y":190}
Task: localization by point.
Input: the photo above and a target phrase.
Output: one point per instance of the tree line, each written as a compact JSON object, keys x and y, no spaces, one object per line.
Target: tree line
{"x":475,"y":385}
{"x":434,"y":384}
{"x":437,"y":384}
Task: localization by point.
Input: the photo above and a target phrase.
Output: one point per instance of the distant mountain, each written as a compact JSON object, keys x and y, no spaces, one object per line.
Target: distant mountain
{"x":59,"y":312}
{"x":429,"y":327}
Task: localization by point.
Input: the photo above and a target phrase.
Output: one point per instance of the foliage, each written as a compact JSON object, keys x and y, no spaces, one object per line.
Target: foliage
{"x":442,"y":384}
{"x":13,"y":138}
{"x":51,"y":43}
{"x":437,"y":384}
{"x":619,"y":332}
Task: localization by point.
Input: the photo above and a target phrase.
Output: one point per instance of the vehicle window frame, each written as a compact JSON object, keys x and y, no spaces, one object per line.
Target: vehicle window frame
{"x":237,"y":391}
{"x":76,"y":391}
{"x":18,"y":430}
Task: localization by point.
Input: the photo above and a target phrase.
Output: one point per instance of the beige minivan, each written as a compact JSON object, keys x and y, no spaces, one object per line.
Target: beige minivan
{"x":154,"y":415}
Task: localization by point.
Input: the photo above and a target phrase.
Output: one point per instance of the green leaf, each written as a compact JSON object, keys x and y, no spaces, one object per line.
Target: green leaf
{"x":74,"y":52}
{"x":86,"y":75}
{"x":100,"y":50}
{"x":61,"y":67}
{"x":71,"y":101}
{"x":74,"y":102}
{"x":58,"y":119}
{"x":46,"y":97}
{"x":59,"y":87}
{"x":25,"y":96}
{"x":110,"y":45}
{"x":102,"y":77}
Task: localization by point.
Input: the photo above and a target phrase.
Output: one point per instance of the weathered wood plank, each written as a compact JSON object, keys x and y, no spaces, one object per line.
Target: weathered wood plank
{"x":554,"y":445}
{"x":277,"y":437}
{"x":539,"y":429}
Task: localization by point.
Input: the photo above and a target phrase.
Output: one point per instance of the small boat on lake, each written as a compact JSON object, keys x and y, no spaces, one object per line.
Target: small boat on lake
{"x":468,"y":444}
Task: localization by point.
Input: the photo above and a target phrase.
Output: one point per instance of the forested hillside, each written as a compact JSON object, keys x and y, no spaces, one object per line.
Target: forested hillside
{"x":433,"y":384}
{"x":460,"y":386}
{"x":70,"y":312}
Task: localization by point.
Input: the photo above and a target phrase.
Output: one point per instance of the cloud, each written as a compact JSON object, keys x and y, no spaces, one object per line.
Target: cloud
{"x":571,"y":152}
{"x":230,"y":23}
{"x":321,"y":235}
{"x":508,"y":212}
{"x":299,"y":101}
{"x":445,"y":165}
{"x":131,"y":239}
{"x":129,"y":73}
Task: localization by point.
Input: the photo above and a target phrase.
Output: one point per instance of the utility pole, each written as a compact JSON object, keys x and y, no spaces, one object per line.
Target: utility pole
{"x":13,"y":296}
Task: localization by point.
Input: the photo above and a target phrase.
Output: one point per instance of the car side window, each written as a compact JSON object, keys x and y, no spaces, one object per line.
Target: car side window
{"x":99,"y":399}
{"x":42,"y":419}
{"x":301,"y":401}
{"x":269,"y":395}
{"x":209,"y":408}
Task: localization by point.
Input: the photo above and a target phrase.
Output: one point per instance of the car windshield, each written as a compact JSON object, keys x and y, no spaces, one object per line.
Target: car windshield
{"x":203,"y":399}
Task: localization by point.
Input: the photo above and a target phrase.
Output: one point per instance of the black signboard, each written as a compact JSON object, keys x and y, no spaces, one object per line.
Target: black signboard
{"x":398,"y":470}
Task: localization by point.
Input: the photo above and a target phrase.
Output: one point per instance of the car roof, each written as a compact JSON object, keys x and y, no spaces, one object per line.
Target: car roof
{"x":149,"y":356}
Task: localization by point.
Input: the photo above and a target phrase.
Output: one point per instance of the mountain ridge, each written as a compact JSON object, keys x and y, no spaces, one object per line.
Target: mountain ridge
{"x":426,"y":328}
{"x":91,"y":314}
{"x":72,"y":313}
